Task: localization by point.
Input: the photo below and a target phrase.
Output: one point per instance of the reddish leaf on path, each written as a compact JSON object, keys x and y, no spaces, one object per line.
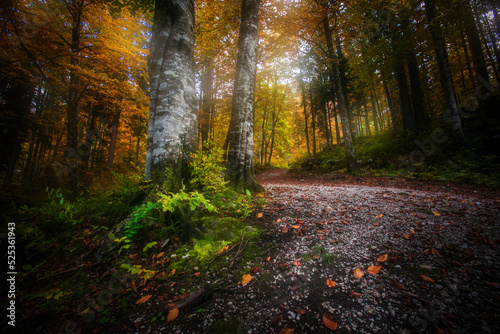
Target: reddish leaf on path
{"x":374,"y":269}
{"x":172,"y":314}
{"x":432,"y":251}
{"x":383,"y":258}
{"x":246,"y":278}
{"x":354,"y":295}
{"x":143,"y":299}
{"x":300,"y":311}
{"x":296,"y":263}
{"x":436,"y":213}
{"x":296,"y":227}
{"x":331,"y":283}
{"x":315,"y":257}
{"x":329,"y":323}
{"x":287,"y":331}
{"x":197,"y":274}
{"x":406,"y":236}
{"x":255,"y":270}
{"x":358,"y":273}
{"x":380,"y":216}
{"x":425,"y":279}
{"x":268,"y":258}
{"x":397,"y":285}
{"x":259,"y":215}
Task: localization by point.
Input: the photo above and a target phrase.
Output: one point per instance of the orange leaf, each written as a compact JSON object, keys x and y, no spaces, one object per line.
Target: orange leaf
{"x":171,"y":273}
{"x":287,"y":331}
{"x":160,"y":254}
{"x":300,"y":311}
{"x":436,"y":213}
{"x":197,"y":274}
{"x":223,"y":249}
{"x":425,"y":279}
{"x":296,"y":226}
{"x":278,"y":220}
{"x":354,"y":294}
{"x":268,"y":258}
{"x":380,"y":216}
{"x":432,"y":251}
{"x":358,"y":273}
{"x":259,"y":215}
{"x":172,"y":314}
{"x":315,"y":257}
{"x":246,"y":278}
{"x":331,"y":283}
{"x":296,"y":263}
{"x":374,"y":269}
{"x":327,"y":320}
{"x":383,"y":258}
{"x":406,"y":236}
{"x":143,"y":299}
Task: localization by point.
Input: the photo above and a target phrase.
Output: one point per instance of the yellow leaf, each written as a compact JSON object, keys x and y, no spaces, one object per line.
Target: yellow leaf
{"x":143,"y":299}
{"x":373,"y":269}
{"x":172,"y":314}
{"x":358,"y":273}
{"x":259,"y":215}
{"x":436,"y":213}
{"x":383,"y":258}
{"x":246,"y":278}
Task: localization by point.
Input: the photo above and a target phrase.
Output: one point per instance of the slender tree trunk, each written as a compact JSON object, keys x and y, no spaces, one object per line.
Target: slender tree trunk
{"x":337,"y":130}
{"x":71,"y":152}
{"x":207,"y":103}
{"x":474,"y":40}
{"x":112,"y":141}
{"x":452,"y":114}
{"x":304,"y":104}
{"x":346,"y":128}
{"x":313,"y":119}
{"x":173,"y":124}
{"x":367,"y":120}
{"x":374,"y":109}
{"x":392,"y":107}
{"x":467,"y":59}
{"x":239,"y":141}
{"x":417,"y":94}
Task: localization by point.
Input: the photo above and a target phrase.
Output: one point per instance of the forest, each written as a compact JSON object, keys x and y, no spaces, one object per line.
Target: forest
{"x":166,"y":162}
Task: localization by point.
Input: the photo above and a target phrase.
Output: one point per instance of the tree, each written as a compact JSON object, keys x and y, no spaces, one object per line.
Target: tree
{"x":446,"y":81}
{"x":239,"y":140}
{"x":172,"y":126}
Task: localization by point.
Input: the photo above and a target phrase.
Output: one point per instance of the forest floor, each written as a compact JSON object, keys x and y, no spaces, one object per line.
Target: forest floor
{"x":358,"y":254}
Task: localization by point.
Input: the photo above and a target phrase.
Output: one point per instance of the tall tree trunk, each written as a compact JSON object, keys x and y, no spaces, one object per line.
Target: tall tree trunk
{"x":367,"y":120}
{"x":404,"y":99}
{"x":417,"y":94}
{"x":446,"y":81}
{"x":374,"y":109}
{"x":239,"y":141}
{"x":313,"y":119}
{"x":467,"y":59}
{"x":304,"y":104}
{"x":207,"y":103}
{"x":474,"y":40}
{"x":112,"y":141}
{"x":392,"y":107}
{"x":346,"y":128}
{"x":173,"y":125}
{"x":71,"y":151}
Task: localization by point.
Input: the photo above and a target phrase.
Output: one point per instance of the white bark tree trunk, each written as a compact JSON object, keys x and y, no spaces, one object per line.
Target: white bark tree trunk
{"x":172,"y":127}
{"x":239,"y":141}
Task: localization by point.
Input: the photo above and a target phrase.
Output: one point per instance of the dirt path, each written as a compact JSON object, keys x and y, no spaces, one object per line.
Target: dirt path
{"x":441,"y":273}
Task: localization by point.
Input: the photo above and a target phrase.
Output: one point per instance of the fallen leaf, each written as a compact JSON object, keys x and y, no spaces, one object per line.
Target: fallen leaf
{"x":353,"y":294}
{"x":160,"y":254}
{"x":268,"y":258}
{"x":259,"y":215}
{"x":374,"y":269}
{"x":287,"y":331}
{"x":296,"y":263}
{"x":246,"y":278}
{"x":376,"y":224}
{"x":197,"y":274}
{"x":406,"y":236}
{"x":397,"y":285}
{"x":380,"y":216}
{"x":425,"y":279}
{"x":143,"y":299}
{"x":223,"y":249}
{"x":358,"y":273}
{"x":278,"y":220}
{"x":171,"y":273}
{"x":296,"y":227}
{"x":315,"y":257}
{"x":172,"y":284}
{"x":329,"y":323}
{"x":436,"y":213}
{"x":331,"y":283}
{"x":172,"y":314}
{"x":432,"y":251}
{"x":383,"y":258}
{"x":284,"y":229}
{"x":255,"y":270}
{"x":300,"y":311}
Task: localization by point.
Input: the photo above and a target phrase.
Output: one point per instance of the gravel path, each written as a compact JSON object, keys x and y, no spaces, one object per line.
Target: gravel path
{"x":436,"y":254}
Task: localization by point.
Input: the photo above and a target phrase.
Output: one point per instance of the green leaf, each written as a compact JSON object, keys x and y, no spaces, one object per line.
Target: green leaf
{"x":111,"y":236}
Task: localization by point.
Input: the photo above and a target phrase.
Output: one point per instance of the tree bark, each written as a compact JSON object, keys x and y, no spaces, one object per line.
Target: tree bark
{"x":346,"y":128}
{"x":239,"y":141}
{"x":173,"y":124}
{"x":112,"y":141}
{"x":452,"y":114}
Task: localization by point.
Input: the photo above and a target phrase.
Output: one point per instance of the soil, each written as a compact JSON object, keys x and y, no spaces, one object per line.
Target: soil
{"x":357,"y":254}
